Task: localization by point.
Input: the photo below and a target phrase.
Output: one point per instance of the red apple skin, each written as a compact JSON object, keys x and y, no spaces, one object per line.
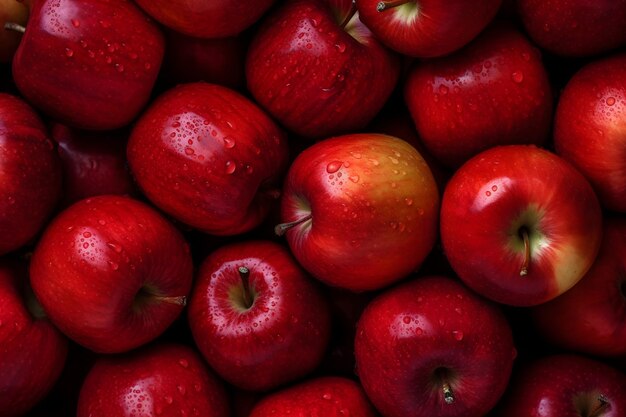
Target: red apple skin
{"x":590,"y":127}
{"x":493,"y":92}
{"x":206,"y":19}
{"x":282,"y":336}
{"x":433,"y":324}
{"x":220,"y":158}
{"x":160,"y":380}
{"x":91,"y":65}
{"x":101,"y":271}
{"x":94,"y":163}
{"x":497,"y":194}
{"x":374,"y":209}
{"x":328,"y":396}
{"x":315,"y":77}
{"x":589,"y":318}
{"x":428,"y":28}
{"x":574,"y":28}
{"x":32,"y":351}
{"x":564,"y":385}
{"x":12,"y":11}
{"x":30,"y":174}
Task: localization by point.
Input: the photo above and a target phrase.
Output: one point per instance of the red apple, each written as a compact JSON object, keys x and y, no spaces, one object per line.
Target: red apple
{"x":360,"y":210}
{"x":219,"y":157}
{"x":111,"y":273}
{"x":89,"y":64}
{"x":317,"y":69}
{"x":431,"y":347}
{"x":575,"y":27}
{"x":590,"y":318}
{"x":426,"y":28}
{"x":256,"y":316}
{"x":324,"y":396}
{"x":565,"y":385}
{"x":590,"y":127}
{"x":160,"y":380}
{"x":520,"y":225}
{"x":30,"y":174}
{"x":206,"y":19}
{"x":12,"y":12}
{"x":32,"y":351}
{"x":94,"y":163}
{"x":493,"y":92}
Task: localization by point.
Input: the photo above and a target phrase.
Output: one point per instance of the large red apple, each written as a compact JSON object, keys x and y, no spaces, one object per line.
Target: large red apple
{"x":30,"y":174}
{"x":360,"y":210}
{"x":258,"y":319}
{"x":520,"y":225}
{"x":317,"y":69}
{"x":431,"y":347}
{"x":168,"y":380}
{"x":426,"y":28}
{"x":12,"y":12}
{"x":89,"y":64}
{"x":590,"y":127}
{"x":219,"y":158}
{"x":32,"y":351}
{"x":111,"y":273}
{"x":493,"y":92}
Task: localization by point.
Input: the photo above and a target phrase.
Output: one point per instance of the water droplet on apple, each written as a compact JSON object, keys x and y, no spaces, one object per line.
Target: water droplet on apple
{"x":327,"y":396}
{"x":147,"y":66}
{"x":494,"y":188}
{"x":488,"y":193}
{"x":230,"y":167}
{"x":119,"y":67}
{"x":117,"y":248}
{"x":354,"y":178}
{"x":189,"y":151}
{"x":419,"y":331}
{"x":443,"y":89}
{"x":610,"y":101}
{"x":181,"y":389}
{"x":393,"y":160}
{"x":394,"y":185}
{"x":168,"y":399}
{"x":458,"y":335}
{"x":407,"y":320}
{"x":341,"y":47}
{"x":184,"y":363}
{"x":517,"y":77}
{"x":408,"y":201}
{"x":229,"y":142}
{"x":333,"y":167}
{"x":75,"y":23}
{"x":69,"y":52}
{"x":114,"y":266}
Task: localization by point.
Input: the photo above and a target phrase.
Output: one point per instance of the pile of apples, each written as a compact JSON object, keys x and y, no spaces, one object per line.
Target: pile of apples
{"x":312,"y":208}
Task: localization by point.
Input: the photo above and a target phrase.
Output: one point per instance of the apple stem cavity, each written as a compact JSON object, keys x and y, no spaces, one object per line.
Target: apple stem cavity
{"x":282,"y":228}
{"x":244,"y":274}
{"x":524,"y":269}
{"x":15,"y":27}
{"x":602,"y":405}
{"x":385,"y":5}
{"x":349,"y":16}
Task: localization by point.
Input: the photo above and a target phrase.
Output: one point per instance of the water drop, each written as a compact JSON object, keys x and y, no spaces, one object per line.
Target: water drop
{"x":408,"y":201}
{"x":458,"y":335}
{"x":114,"y":266}
{"x":181,"y":389}
{"x":341,"y":47}
{"x":230,"y":167}
{"x":406,"y":320}
{"x":189,"y":151}
{"x":488,"y":193}
{"x":494,"y":188}
{"x":117,"y":248}
{"x":168,"y":399}
{"x":184,"y":363}
{"x":69,"y":52}
{"x":443,"y":89}
{"x":610,"y":101}
{"x":333,"y":167}
{"x":119,"y":67}
{"x":419,"y":331}
{"x":517,"y":77}
{"x":327,"y":396}
{"x":354,"y":178}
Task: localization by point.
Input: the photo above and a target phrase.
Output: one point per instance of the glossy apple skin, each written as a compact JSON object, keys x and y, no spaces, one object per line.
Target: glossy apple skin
{"x":281,"y":337}
{"x":94,"y":163}
{"x":30,"y":174}
{"x":99,"y":267}
{"x":160,"y":380}
{"x":206,"y":19}
{"x":574,"y":27}
{"x":589,"y":318}
{"x":374,"y":207}
{"x":433,"y":323}
{"x":32,"y":351}
{"x":221,"y":158}
{"x":496,"y":194}
{"x":590,"y":127}
{"x":12,"y":11}
{"x":313,"y":76}
{"x":329,"y":396}
{"x":493,"y":92}
{"x":428,"y":28}
{"x":91,"y":65}
{"x":564,"y":385}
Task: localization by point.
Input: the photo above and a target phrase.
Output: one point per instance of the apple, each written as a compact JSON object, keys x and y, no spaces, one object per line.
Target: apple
{"x":206,"y":19}
{"x":493,"y":92}
{"x":589,"y":318}
{"x":575,"y":28}
{"x":426,"y":28}
{"x":111,"y":273}
{"x":318,"y":70}
{"x":520,"y":225}
{"x":220,"y":158}
{"x":590,"y":127}
{"x":30,"y":174}
{"x":91,"y":65}
{"x":565,"y":385}
{"x":159,"y":380}
{"x":94,"y":163}
{"x":322,"y":396}
{"x":257,"y":318}
{"x":430,"y":347}
{"x":32,"y":351}
{"x":360,"y":211}
{"x":12,"y":12}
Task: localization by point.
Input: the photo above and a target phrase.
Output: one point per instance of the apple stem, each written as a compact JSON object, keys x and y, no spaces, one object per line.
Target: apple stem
{"x":602,"y":405}
{"x":448,"y":395}
{"x":524,"y":270}
{"x":244,"y":274}
{"x":350,"y":15}
{"x":282,"y":228}
{"x":16,"y":27}
{"x":180,"y":300}
{"x":384,"y":5}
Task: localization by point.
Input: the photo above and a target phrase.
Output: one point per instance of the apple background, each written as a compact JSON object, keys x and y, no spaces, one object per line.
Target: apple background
{"x":367,"y":208}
